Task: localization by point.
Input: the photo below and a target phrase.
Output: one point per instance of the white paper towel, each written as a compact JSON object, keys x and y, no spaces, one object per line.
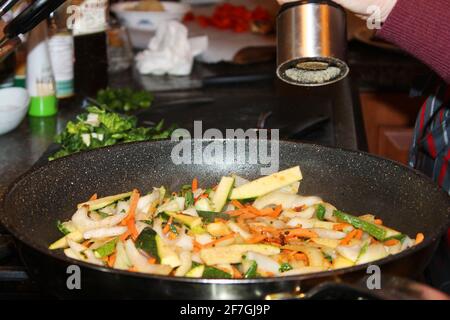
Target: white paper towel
{"x":170,"y":51}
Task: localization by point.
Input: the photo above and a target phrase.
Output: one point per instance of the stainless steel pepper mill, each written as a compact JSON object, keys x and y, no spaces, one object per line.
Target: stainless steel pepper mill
{"x":312,"y":35}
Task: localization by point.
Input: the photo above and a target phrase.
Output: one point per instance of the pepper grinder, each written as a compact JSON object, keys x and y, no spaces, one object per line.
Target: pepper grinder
{"x":311,"y":43}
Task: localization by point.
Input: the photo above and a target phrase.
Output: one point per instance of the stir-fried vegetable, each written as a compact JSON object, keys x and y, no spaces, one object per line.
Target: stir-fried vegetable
{"x":100,"y":128}
{"x":204,"y":232}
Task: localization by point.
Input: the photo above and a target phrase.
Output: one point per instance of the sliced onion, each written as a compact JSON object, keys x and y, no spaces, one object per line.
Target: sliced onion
{"x":84,"y":223}
{"x":299,"y":222}
{"x":104,"y":232}
{"x":264,"y":262}
{"x":185,"y":242}
{"x":329,"y":234}
{"x":186,"y":264}
{"x":191,"y":212}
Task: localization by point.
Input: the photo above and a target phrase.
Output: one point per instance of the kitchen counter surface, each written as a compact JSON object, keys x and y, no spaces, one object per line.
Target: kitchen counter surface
{"x":20,"y":149}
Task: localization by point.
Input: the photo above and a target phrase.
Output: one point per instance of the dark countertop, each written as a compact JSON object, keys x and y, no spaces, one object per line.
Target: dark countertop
{"x":21,"y":148}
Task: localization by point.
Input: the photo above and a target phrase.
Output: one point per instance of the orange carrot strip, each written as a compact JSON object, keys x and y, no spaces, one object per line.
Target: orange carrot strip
{"x":378,"y":222}
{"x":419,"y":238}
{"x":300,"y":256}
{"x":125,"y":236}
{"x":151,"y":260}
{"x":349,"y":237}
{"x":237,"y":204}
{"x":132,"y":269}
{"x":132,"y":228}
{"x":87,"y":243}
{"x":359,"y":234}
{"x":133,"y":204}
{"x":277,"y":211}
{"x":303,"y":233}
{"x":194,"y":184}
{"x":391,"y":242}
{"x":236,"y":273}
{"x":340,"y":226}
{"x":93,"y":197}
{"x":112,"y":260}
{"x":256,"y":239}
{"x":167,"y":226}
{"x":253,"y":210}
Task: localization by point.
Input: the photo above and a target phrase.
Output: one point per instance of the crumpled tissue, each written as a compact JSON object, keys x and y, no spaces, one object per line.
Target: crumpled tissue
{"x":171,"y":51}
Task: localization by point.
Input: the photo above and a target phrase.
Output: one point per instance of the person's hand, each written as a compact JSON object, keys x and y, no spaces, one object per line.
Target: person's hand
{"x":364,"y":8}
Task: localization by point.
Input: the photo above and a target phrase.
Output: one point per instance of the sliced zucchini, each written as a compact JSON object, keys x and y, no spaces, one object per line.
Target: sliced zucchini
{"x":103,"y":202}
{"x":209,"y":216}
{"x":203,"y":204}
{"x":222,"y":193}
{"x":196,"y":272}
{"x":267,"y":184}
{"x":195,"y":224}
{"x":214,"y":273}
{"x":76,"y":236}
{"x":107,"y":249}
{"x":233,"y":253}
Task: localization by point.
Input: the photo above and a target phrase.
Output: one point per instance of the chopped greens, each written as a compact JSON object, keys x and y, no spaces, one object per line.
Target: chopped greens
{"x":124,"y":100}
{"x":101,"y":128}
{"x":285,"y":267}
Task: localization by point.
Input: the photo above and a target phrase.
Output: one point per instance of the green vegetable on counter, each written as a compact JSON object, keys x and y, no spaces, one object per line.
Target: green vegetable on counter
{"x":124,"y":100}
{"x":101,"y":128}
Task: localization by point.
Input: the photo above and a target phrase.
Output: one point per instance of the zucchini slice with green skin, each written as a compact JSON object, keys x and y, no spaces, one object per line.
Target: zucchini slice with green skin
{"x":222,"y":193}
{"x":250,"y":269}
{"x":107,"y":249}
{"x":76,"y":236}
{"x":233,"y":254}
{"x":378,"y":232}
{"x":320,"y":212}
{"x":210,"y":217}
{"x":146,"y":241}
{"x":104,"y":202}
{"x":267,"y":184}
{"x":196,"y":272}
{"x":214,"y":273}
{"x":152,"y":244}
{"x":195,"y":224}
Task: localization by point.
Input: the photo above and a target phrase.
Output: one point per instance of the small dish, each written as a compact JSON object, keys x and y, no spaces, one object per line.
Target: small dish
{"x":13,"y":108}
{"x":149,"y":20}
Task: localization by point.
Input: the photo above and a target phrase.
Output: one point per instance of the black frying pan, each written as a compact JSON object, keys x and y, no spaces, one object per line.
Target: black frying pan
{"x":355,"y":182}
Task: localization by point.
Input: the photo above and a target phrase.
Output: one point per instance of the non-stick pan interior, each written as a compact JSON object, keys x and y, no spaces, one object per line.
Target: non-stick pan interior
{"x":352,"y":181}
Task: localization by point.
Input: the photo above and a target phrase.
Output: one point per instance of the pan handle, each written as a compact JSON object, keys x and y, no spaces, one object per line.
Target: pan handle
{"x":393,"y":288}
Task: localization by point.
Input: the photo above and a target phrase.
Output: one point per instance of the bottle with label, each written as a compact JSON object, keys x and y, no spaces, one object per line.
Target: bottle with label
{"x":88,"y":19}
{"x":40,"y":81}
{"x":61,"y":53}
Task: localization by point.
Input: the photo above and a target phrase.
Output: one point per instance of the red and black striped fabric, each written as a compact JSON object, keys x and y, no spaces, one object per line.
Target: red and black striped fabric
{"x":430,"y":151}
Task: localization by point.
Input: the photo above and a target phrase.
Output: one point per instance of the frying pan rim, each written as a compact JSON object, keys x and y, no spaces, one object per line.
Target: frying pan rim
{"x":429,"y":240}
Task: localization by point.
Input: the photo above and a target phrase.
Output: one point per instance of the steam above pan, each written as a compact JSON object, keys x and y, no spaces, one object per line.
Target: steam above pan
{"x":312,"y":43}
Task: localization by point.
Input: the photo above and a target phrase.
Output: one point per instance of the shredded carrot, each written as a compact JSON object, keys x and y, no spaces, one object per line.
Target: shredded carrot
{"x":125,"y":236}
{"x":132,"y":228}
{"x":300,"y":256}
{"x":133,"y":204}
{"x":373,"y":240}
{"x":167,"y":226}
{"x":247,"y":216}
{"x":213,"y":243}
{"x":340,"y":226}
{"x":112,"y":260}
{"x":87,"y":243}
{"x":253,"y":210}
{"x":378,"y":222}
{"x":303,"y":233}
{"x":151,"y":260}
{"x":197,"y":246}
{"x":237,"y":204}
{"x":132,"y":269}
{"x":276,"y":211}
{"x":93,"y":197}
{"x":391,"y":242}
{"x":172,"y":236}
{"x":359,"y":234}
{"x":419,"y":238}
{"x":194,"y":184}
{"x":236,"y":273}
{"x":349,"y":237}
{"x":256,"y":239}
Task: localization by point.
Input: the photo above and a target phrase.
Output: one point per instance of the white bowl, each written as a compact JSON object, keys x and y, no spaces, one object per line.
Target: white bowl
{"x":13,"y":108}
{"x":148,"y":20}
